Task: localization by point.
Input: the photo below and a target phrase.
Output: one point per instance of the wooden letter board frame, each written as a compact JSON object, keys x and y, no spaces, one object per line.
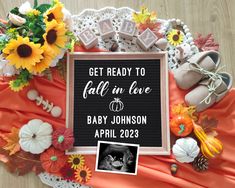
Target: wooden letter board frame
{"x":162,"y":56}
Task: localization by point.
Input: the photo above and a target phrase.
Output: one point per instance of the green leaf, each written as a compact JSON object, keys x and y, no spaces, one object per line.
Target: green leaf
{"x":36,"y":40}
{"x":15,"y":11}
{"x":35,"y":4}
{"x":43,"y":7}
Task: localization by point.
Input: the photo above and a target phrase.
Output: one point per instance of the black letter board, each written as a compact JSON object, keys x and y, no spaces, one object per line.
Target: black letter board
{"x":118,"y":97}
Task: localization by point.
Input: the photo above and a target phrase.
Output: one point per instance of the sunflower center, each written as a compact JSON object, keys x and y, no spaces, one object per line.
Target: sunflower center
{"x":51,"y":36}
{"x":24,"y":50}
{"x":50,"y":17}
{"x":176,"y":37}
{"x":83,"y":173}
{"x":76,"y":161}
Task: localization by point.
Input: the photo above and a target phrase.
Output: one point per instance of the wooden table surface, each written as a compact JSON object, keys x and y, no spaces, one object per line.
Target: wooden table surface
{"x":201,"y":16}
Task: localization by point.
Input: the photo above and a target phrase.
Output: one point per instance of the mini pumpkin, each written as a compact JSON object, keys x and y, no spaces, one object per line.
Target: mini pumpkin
{"x":62,"y":138}
{"x":210,"y":146}
{"x":185,"y":150}
{"x":181,"y":125}
{"x":35,"y":136}
{"x":53,"y":160}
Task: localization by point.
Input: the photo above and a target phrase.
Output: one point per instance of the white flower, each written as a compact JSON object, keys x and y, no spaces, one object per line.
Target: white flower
{"x":6,"y":69}
{"x":68,"y":19}
{"x":57,"y":58}
{"x":16,"y":20}
{"x":25,"y":8}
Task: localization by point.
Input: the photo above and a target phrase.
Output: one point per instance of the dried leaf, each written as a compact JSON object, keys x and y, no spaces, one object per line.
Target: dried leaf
{"x":48,"y":74}
{"x":181,"y":109}
{"x":62,"y":68}
{"x":145,"y":19}
{"x":208,"y":124}
{"x":206,"y":43}
{"x":12,"y":140}
{"x":22,"y":162}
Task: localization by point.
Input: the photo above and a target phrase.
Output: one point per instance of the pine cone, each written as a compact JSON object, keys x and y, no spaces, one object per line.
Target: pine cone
{"x":200,"y":163}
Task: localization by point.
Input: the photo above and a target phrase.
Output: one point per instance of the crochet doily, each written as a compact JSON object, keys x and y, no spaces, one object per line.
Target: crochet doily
{"x":57,"y":182}
{"x":88,"y":19}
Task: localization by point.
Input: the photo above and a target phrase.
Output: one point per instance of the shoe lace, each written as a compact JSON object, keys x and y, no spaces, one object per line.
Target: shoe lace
{"x":213,"y":76}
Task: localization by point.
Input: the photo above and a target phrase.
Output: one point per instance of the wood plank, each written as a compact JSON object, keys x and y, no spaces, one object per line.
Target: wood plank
{"x":201,"y":16}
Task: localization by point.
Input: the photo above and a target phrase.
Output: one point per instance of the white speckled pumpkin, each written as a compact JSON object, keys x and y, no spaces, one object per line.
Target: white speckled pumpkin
{"x":185,"y":150}
{"x":35,"y":136}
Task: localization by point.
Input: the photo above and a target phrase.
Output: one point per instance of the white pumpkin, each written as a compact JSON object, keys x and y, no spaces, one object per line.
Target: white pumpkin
{"x":185,"y":150}
{"x":35,"y":136}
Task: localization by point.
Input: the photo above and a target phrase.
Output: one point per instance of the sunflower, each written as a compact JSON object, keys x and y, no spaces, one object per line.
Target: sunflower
{"x":175,"y":37}
{"x":15,"y":86}
{"x":44,"y":63}
{"x":83,"y":174}
{"x":54,"y":13}
{"x":76,"y":161}
{"x":55,"y":38}
{"x":22,"y":53}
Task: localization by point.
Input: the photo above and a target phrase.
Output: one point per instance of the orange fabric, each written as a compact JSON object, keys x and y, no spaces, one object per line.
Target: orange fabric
{"x":153,"y":171}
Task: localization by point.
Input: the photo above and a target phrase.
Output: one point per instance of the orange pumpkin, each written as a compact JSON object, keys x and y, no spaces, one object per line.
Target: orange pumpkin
{"x":210,"y":146}
{"x":181,"y":125}
{"x":53,"y":160}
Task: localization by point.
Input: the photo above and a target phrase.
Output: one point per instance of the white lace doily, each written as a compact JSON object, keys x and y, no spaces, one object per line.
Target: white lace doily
{"x":57,"y":182}
{"x":88,"y":19}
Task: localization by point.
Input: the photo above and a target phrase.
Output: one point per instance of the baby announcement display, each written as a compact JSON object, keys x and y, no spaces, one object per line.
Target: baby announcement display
{"x":118,"y":97}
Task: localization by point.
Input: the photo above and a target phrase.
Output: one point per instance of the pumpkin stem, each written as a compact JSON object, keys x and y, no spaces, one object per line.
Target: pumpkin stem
{"x":182,"y":129}
{"x":34,"y":136}
{"x":60,"y":139}
{"x":54,"y":158}
{"x":116,"y":99}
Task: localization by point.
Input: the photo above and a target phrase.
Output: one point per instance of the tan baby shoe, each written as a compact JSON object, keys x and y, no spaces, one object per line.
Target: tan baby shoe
{"x":209,"y":91}
{"x":197,"y":68}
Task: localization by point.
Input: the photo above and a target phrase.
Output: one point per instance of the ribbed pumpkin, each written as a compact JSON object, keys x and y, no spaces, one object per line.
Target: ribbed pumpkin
{"x":210,"y":146}
{"x":181,"y":125}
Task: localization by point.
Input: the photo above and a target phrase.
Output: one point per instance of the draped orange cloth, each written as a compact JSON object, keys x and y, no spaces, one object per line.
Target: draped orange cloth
{"x":153,"y":171}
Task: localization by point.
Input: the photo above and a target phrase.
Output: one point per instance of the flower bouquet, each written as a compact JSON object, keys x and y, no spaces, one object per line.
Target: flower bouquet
{"x":33,"y":40}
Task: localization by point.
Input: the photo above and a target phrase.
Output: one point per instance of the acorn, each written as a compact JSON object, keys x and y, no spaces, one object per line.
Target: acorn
{"x":114,"y":47}
{"x":174,"y":169}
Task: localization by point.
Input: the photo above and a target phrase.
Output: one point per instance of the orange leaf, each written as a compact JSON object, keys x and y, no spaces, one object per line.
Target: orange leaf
{"x":181,"y":109}
{"x":12,"y":140}
{"x":208,"y":124}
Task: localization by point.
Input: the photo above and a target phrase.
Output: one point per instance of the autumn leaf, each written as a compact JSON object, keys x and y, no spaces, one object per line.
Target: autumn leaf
{"x":206,"y":43}
{"x":62,"y":69}
{"x":22,"y":162}
{"x":181,"y":109}
{"x":208,"y":124}
{"x":12,"y":140}
{"x":143,"y":16}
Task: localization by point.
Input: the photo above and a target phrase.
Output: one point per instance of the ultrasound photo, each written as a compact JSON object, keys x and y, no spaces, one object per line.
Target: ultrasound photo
{"x":114,"y":157}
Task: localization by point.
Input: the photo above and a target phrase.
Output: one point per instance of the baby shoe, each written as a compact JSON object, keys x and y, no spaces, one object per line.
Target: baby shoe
{"x":199,"y":66}
{"x":209,"y":91}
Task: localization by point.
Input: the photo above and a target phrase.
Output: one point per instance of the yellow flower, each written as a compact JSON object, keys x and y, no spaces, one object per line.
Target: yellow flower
{"x":35,"y":12}
{"x":76,"y":161}
{"x":175,"y":37}
{"x":44,"y":63}
{"x":83,"y":174}
{"x":55,"y":37}
{"x":22,"y":53}
{"x":54,"y":13}
{"x":17,"y":86}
